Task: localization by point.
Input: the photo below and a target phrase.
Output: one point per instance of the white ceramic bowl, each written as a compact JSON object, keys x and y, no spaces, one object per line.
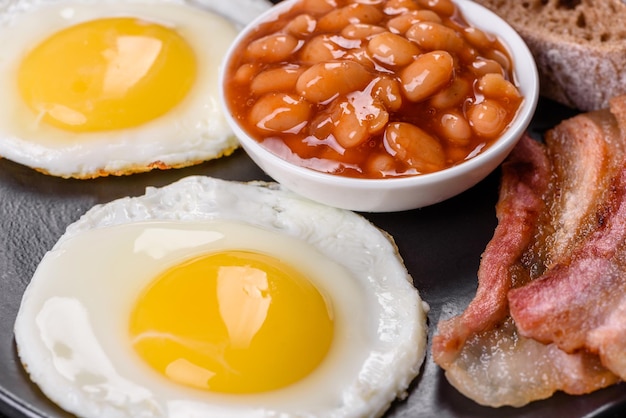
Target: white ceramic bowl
{"x":396,"y":194}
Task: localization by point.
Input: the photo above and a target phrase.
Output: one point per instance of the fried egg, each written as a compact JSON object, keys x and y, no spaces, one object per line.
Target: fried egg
{"x":92,"y":88}
{"x":215,"y":298}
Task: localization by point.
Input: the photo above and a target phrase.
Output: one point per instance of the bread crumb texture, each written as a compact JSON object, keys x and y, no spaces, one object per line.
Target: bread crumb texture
{"x":579,"y":46}
{"x":583,"y":21}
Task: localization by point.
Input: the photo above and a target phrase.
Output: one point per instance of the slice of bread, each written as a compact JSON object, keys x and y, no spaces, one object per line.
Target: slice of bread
{"x":579,"y":46}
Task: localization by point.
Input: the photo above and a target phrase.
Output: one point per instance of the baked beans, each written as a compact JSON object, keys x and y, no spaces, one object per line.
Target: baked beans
{"x":372,"y":89}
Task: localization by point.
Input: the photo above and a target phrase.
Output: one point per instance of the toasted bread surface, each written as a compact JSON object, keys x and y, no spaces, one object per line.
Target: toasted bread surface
{"x":579,"y":46}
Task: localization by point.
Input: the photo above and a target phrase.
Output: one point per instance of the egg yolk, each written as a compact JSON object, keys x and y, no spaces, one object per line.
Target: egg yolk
{"x":107,"y":74}
{"x":232,"y":322}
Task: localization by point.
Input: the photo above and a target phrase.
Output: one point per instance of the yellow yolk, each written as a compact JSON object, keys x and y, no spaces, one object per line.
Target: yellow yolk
{"x":107,"y":74}
{"x":232,"y":322}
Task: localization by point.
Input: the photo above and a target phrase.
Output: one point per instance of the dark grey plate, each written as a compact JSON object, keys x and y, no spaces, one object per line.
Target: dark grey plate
{"x":441,"y":246}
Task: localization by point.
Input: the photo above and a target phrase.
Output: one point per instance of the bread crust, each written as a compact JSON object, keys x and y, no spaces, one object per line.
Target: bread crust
{"x":579,"y":47}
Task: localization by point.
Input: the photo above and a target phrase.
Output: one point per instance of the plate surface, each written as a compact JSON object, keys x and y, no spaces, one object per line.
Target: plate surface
{"x":441,"y":246}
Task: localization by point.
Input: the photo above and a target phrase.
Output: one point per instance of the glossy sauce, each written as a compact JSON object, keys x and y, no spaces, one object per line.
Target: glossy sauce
{"x":373,"y":90}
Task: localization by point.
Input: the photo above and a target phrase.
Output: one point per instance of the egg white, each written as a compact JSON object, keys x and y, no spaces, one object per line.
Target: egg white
{"x":70,"y":329}
{"x":193,"y":131}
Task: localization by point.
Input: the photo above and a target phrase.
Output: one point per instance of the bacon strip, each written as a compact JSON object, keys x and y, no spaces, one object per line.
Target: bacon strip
{"x":524,"y":182}
{"x":499,"y":367}
{"x":582,"y":304}
{"x":550,"y":310}
{"x":586,"y":151}
{"x":484,"y":356}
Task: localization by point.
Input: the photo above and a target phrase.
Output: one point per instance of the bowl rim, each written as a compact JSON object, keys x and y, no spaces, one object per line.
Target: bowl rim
{"x":524,"y":71}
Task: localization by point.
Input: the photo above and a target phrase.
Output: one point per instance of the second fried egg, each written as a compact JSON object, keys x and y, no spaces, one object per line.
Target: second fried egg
{"x":215,"y":298}
{"x":94,"y":88}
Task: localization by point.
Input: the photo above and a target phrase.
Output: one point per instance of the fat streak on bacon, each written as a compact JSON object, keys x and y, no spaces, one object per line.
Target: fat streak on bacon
{"x":550,"y":309}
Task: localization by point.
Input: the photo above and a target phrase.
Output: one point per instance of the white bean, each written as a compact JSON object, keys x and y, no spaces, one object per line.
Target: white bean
{"x":453,"y":95}
{"x":481,"y":66}
{"x":397,"y":7}
{"x":456,"y":128}
{"x":273,"y":48}
{"x":324,"y":81}
{"x":414,"y":147}
{"x":477,"y":37}
{"x":361,"y":31}
{"x":495,"y":86}
{"x":338,"y":19}
{"x":379,"y":165}
{"x":362,"y":56}
{"x":401,"y":23}
{"x":487,"y":119}
{"x":392,"y":49}
{"x":432,"y":36}
{"x":276,"y":79}
{"x":428,"y":74}
{"x":319,"y":6}
{"x":280,"y":112}
{"x":301,"y":25}
{"x":500,"y":57}
{"x":444,"y":7}
{"x":350,"y":130}
{"x":387,"y":90}
{"x":245,"y":73}
{"x":377,"y":120}
{"x":319,"y":49}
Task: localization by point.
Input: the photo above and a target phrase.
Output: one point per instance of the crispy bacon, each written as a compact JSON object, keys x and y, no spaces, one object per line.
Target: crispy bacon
{"x":550,"y":310}
{"x":580,"y":303}
{"x":585,"y":151}
{"x":524,"y":182}
{"x":499,"y":367}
